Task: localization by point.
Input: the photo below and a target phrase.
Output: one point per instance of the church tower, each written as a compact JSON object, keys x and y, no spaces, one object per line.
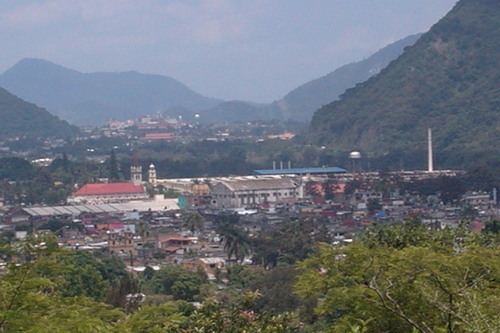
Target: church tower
{"x":152,"y":174}
{"x":136,"y":174}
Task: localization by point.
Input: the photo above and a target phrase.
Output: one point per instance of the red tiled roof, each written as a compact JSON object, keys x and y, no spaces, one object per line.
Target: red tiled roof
{"x":109,"y":189}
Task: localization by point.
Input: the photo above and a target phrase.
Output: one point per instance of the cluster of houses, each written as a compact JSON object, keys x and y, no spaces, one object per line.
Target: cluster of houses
{"x":146,"y":229}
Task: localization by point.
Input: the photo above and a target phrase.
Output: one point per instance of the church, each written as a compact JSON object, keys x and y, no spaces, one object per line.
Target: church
{"x":104,"y":193}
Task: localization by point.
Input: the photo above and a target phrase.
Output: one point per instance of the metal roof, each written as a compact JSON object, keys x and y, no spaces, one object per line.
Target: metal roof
{"x":139,"y":206}
{"x":300,"y":171}
{"x":258,"y":184}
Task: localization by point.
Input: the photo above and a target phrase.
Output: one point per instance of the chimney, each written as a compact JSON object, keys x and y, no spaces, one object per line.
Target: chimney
{"x":430,"y":166}
{"x":281,"y":165}
{"x":289,"y":164}
{"x":274,"y":165}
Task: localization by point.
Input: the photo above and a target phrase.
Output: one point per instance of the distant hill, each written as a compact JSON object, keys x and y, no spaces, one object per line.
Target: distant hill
{"x":22,"y":119}
{"x":93,"y":98}
{"x":300,"y":103}
{"x":449,"y":80}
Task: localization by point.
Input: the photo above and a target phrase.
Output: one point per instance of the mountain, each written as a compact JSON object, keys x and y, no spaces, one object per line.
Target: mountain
{"x":93,"y":98}
{"x":300,"y":103}
{"x":23,"y":119}
{"x":448,"y":80}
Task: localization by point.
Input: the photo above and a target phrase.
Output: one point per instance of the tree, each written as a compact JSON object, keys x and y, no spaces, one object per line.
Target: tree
{"x":373,"y":205}
{"x":492,"y":227}
{"x":425,"y":285}
{"x":167,"y":317}
{"x":193,"y":222}
{"x":118,"y":292}
{"x":113,"y":172}
{"x":235,"y":242}
{"x":177,"y":281}
{"x":239,"y":317}
{"x":34,"y":289}
{"x":289,"y":242}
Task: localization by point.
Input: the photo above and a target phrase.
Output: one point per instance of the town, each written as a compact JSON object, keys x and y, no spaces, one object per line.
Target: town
{"x":219,"y":166}
{"x":150,"y":221}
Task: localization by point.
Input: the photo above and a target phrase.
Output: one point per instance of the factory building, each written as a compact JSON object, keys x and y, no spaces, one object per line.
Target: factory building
{"x":239,"y":192}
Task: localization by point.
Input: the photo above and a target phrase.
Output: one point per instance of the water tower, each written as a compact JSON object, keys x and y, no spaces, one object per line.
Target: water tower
{"x":355,"y":157}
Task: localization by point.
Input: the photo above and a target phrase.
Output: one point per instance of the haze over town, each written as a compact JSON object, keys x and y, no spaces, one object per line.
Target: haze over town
{"x":246,"y":50}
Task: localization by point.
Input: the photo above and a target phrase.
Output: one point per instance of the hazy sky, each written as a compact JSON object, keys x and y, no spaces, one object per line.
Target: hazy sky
{"x":233,"y":49}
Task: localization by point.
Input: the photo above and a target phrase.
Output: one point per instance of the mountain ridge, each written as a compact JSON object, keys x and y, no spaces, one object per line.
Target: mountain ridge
{"x":448,"y":80}
{"x":300,"y":103}
{"x":304,"y":100}
{"x":92,"y":98}
{"x":19,"y":118}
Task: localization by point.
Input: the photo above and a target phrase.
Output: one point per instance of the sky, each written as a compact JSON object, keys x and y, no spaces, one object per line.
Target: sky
{"x":255,"y":50}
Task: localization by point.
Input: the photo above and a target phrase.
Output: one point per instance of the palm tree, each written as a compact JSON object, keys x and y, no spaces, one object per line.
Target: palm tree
{"x":235,"y":241}
{"x":194,"y":222}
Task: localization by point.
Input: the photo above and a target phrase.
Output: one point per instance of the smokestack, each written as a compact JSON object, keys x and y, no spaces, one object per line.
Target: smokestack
{"x":281,"y":165}
{"x":289,"y":164}
{"x":430,"y":166}
{"x":274,"y":165}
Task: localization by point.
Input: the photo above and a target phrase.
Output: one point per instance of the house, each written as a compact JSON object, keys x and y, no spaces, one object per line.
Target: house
{"x":174,"y":243}
{"x":251,"y":191}
{"x":209,"y":265}
{"x":122,"y":244}
{"x":478,"y":200}
{"x":98,"y":193}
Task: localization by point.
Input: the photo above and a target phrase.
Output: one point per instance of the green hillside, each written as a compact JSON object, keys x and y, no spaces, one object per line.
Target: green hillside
{"x":22,"y":119}
{"x":449,"y":81}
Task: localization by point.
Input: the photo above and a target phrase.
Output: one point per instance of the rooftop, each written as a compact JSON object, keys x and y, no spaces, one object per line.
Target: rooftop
{"x":109,"y":189}
{"x":245,"y":184}
{"x":300,"y":171}
{"x":137,"y":206}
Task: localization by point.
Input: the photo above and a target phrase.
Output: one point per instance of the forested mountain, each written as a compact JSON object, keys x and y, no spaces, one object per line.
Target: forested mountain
{"x":449,"y":81}
{"x":22,"y":119}
{"x":300,"y":103}
{"x":92,"y":98}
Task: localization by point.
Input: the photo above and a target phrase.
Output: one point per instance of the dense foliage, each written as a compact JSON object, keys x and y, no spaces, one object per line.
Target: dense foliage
{"x":406,"y":278}
{"x":24,"y":183}
{"x":401,"y":278}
